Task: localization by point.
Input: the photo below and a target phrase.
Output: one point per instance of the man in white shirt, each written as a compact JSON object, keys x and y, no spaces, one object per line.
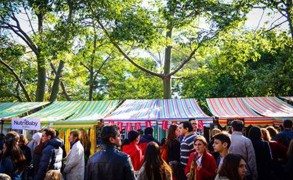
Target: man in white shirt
{"x":243,"y":146}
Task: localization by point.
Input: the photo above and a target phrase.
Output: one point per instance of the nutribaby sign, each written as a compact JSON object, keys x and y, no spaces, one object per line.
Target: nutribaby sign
{"x":28,"y":124}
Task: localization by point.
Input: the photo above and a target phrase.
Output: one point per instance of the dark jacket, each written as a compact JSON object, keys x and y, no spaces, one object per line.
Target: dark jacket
{"x":51,"y":158}
{"x":173,"y":147}
{"x":144,"y":140}
{"x":110,"y":164}
{"x":263,"y":158}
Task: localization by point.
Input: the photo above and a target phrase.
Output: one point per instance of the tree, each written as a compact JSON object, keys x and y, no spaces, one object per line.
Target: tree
{"x":41,"y":41}
{"x":164,"y":25}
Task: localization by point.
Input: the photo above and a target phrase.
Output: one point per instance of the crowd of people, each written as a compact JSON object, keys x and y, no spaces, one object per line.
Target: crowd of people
{"x":259,"y":153}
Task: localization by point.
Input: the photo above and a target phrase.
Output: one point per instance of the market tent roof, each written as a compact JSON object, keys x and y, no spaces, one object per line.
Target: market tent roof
{"x":229,"y":108}
{"x":20,"y":108}
{"x":91,"y":111}
{"x":5,"y":105}
{"x":270,"y":106}
{"x":158,"y":109}
{"x":289,"y":98}
{"x":58,"y":110}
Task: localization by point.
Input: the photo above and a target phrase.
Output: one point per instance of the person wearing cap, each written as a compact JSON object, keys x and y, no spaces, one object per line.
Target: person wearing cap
{"x":133,"y":150}
{"x":146,"y":138}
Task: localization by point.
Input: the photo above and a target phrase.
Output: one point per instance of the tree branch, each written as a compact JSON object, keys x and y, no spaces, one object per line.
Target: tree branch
{"x":125,"y":55}
{"x":29,"y":20}
{"x":18,"y":80}
{"x":276,"y":26}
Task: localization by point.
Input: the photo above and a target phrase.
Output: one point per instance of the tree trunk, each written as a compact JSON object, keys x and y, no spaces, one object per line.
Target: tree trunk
{"x":40,"y":92}
{"x":55,"y":87}
{"x":167,"y":66}
{"x":91,"y":84}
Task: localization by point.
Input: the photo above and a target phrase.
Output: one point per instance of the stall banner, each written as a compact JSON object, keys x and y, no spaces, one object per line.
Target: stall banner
{"x":128,"y":126}
{"x":200,"y":125}
{"x":164,"y":125}
{"x":120,"y":124}
{"x":137,"y":126}
{"x":28,"y":124}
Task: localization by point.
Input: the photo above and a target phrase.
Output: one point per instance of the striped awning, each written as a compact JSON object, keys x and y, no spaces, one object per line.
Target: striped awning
{"x":270,"y":106}
{"x":58,"y":110}
{"x":289,"y":98}
{"x":20,"y":108}
{"x":158,"y":109}
{"x":5,"y":105}
{"x":92,"y":111}
{"x":75,"y":112}
{"x":235,"y":108}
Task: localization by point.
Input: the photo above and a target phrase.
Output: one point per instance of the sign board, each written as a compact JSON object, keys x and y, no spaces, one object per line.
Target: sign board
{"x":28,"y":124}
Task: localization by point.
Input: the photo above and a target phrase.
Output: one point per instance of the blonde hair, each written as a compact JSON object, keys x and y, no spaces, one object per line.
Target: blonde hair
{"x":53,"y":175}
{"x":202,"y":139}
{"x":265,"y":134}
{"x":215,"y":131}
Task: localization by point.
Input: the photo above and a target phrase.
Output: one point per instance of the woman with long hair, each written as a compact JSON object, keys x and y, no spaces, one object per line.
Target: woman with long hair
{"x":170,"y":151}
{"x":233,"y":168}
{"x":13,"y":160}
{"x":86,"y":143}
{"x":154,"y":167}
{"x":201,"y":165}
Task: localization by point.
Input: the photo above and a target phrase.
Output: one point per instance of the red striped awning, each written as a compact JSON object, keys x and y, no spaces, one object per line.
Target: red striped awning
{"x":235,"y":108}
{"x":270,"y":106}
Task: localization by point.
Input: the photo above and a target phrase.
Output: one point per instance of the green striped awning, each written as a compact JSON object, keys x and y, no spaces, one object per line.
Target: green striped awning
{"x":58,"y":110}
{"x":18,"y":109}
{"x":77,"y":112}
{"x":91,"y":111}
{"x":5,"y":105}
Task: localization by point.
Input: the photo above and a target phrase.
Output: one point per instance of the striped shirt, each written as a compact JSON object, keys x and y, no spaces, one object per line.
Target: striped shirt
{"x":186,"y":147}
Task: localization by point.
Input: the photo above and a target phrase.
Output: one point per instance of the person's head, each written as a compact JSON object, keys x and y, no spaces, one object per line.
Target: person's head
{"x":133,"y":136}
{"x":48,"y":134}
{"x":265,"y":134}
{"x":254,"y":133}
{"x":110,"y":135}
{"x":273,"y":132}
{"x":74,"y":136}
{"x":222,"y":142}
{"x":148,"y":131}
{"x":22,"y":140}
{"x":84,"y":139}
{"x":233,"y":167}
{"x":4,"y":176}
{"x":53,"y":175}
{"x":194,"y":124}
{"x":173,"y":132}
{"x":153,"y":161}
{"x":11,"y":140}
{"x":237,"y":125}
{"x":287,"y":124}
{"x":200,"y":144}
{"x":185,"y":127}
{"x":215,"y":131}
